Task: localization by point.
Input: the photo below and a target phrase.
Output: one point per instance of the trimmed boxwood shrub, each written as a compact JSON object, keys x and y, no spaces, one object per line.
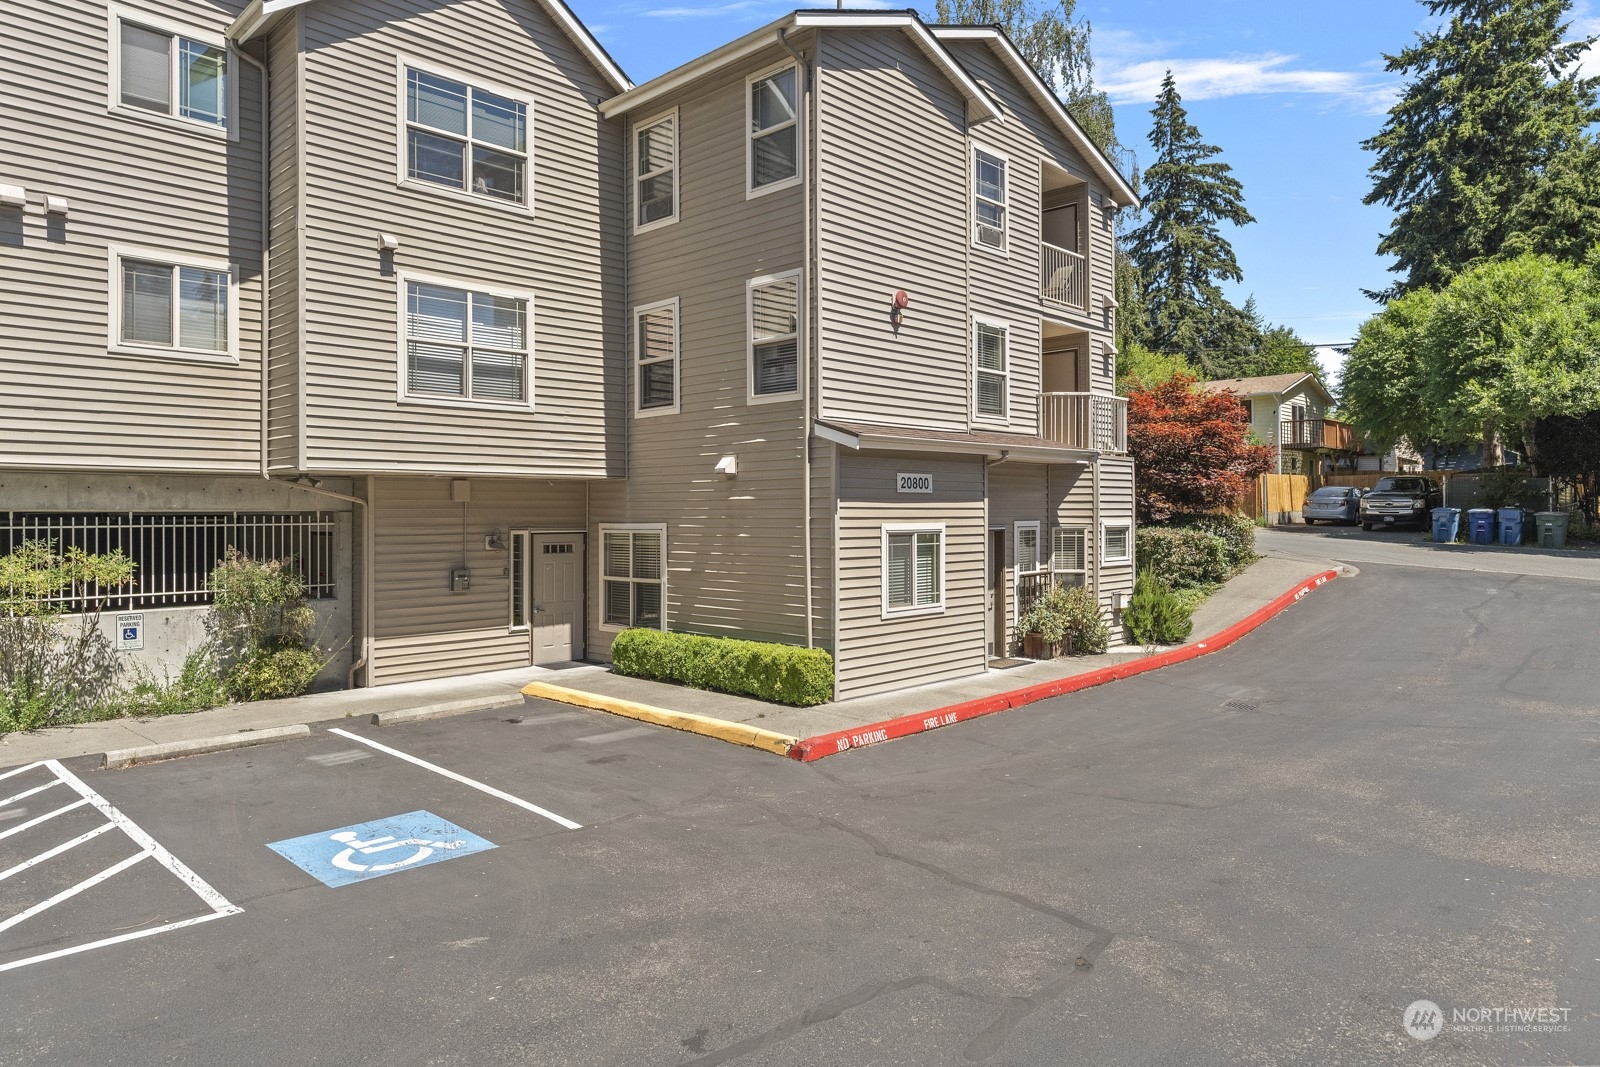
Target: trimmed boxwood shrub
{"x":1183,"y":558}
{"x":784,"y":674}
{"x":1238,"y":533}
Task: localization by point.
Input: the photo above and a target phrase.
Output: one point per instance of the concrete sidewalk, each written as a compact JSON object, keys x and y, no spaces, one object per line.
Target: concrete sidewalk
{"x":1257,"y":586}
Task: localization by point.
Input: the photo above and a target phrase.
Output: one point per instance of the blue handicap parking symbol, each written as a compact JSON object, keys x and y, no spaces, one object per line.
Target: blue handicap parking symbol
{"x":130,"y":633}
{"x":374,"y":849}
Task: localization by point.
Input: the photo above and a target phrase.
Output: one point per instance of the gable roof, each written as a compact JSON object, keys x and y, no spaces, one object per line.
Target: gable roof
{"x":984,"y":109}
{"x":260,"y":15}
{"x":1266,"y":385}
{"x":1047,"y":100}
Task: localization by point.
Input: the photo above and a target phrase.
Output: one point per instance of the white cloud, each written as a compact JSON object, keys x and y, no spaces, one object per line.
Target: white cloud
{"x":1139,"y":80}
{"x":1588,"y":26}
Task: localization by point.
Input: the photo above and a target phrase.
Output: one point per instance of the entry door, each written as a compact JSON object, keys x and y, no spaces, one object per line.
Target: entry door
{"x":557,"y":573}
{"x":996,"y":594}
{"x":1060,"y":372}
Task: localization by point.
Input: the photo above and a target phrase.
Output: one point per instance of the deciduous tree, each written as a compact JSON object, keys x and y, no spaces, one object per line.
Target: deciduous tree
{"x":1191,"y":449}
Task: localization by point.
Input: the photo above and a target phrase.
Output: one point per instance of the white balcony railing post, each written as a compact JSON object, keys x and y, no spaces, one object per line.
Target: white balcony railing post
{"x":1086,"y":421}
{"x":1063,"y":277}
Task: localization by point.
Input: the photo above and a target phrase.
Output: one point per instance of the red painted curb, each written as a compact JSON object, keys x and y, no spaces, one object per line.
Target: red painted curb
{"x":815,"y":748}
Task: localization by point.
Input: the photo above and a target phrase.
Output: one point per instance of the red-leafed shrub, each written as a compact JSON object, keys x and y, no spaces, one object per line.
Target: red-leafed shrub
{"x":1191,"y":450}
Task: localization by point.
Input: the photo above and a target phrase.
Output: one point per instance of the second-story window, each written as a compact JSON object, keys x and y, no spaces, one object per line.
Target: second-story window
{"x":465,"y":345}
{"x":463,"y":137}
{"x":173,"y":308}
{"x":774,"y":130}
{"x":656,"y":338}
{"x":991,"y":361}
{"x":989,"y":199}
{"x":656,"y":172}
{"x":775,"y":335}
{"x":172,"y":75}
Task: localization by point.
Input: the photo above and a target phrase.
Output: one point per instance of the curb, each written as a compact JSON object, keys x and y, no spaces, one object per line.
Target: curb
{"x":128,"y":757}
{"x":439,"y":711}
{"x":734,"y":733}
{"x":815,"y":748}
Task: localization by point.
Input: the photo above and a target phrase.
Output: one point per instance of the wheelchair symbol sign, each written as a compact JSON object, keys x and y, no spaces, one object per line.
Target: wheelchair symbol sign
{"x":374,"y":849}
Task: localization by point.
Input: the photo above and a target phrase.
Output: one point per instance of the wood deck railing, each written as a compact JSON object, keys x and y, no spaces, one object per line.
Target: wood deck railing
{"x":1317,"y":433}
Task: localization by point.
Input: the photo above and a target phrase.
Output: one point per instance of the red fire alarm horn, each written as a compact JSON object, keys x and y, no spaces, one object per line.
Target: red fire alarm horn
{"x":901,"y":300}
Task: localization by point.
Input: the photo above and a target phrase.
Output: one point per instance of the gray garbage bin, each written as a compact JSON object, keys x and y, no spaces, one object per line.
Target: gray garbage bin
{"x":1552,"y":529}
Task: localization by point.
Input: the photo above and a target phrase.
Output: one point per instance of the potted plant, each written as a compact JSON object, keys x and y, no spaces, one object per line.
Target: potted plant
{"x":1064,"y":621}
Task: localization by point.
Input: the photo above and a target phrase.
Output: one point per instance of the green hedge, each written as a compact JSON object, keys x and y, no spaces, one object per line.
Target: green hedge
{"x":1238,"y":533}
{"x":1183,"y":558}
{"x":784,"y":674}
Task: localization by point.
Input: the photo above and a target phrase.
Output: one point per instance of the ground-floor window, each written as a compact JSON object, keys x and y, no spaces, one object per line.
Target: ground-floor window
{"x":1116,"y":543}
{"x":633,"y":573}
{"x":519,"y":579}
{"x":913,"y":569}
{"x":1069,"y":556}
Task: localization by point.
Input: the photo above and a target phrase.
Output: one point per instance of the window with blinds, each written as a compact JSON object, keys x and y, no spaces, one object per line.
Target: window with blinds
{"x":172,"y":75}
{"x":774,"y":129}
{"x":633,"y":574}
{"x":1116,"y":543}
{"x":656,"y":172}
{"x":465,"y":344}
{"x":991,"y":361}
{"x":913,"y":569}
{"x":775,"y":335}
{"x":1027,"y":547}
{"x":1069,"y":556}
{"x":656,"y":342}
{"x":989,"y":199}
{"x":465,"y":138}
{"x":173,"y":307}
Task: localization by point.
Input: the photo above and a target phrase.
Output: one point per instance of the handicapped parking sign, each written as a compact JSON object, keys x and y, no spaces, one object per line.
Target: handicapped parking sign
{"x":374,"y":849}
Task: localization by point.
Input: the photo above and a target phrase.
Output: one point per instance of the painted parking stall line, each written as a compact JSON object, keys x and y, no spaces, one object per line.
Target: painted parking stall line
{"x":115,"y":821}
{"x":463,"y":779}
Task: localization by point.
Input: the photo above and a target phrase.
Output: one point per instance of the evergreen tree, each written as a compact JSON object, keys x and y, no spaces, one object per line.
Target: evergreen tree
{"x":1486,"y":148}
{"x":1179,"y":249}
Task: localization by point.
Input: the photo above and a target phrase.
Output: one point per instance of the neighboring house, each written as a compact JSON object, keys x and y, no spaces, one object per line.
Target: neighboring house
{"x":1400,"y":459}
{"x":1290,"y":413}
{"x":512,"y":354}
{"x":815,"y":463}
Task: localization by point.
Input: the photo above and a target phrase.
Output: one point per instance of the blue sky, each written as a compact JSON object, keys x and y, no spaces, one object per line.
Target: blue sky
{"x":1287,"y":90}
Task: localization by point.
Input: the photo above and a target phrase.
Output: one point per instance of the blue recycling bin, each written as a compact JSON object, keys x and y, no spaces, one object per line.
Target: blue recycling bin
{"x":1480,"y":526}
{"x":1511,"y":526}
{"x":1446,"y":524}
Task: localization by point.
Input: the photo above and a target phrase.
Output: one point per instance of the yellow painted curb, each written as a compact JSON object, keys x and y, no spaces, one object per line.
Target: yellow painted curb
{"x":736,"y":733}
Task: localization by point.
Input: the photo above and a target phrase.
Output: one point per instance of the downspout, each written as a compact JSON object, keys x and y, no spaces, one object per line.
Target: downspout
{"x":266,"y":240}
{"x":367,"y":604}
{"x":811,"y":310}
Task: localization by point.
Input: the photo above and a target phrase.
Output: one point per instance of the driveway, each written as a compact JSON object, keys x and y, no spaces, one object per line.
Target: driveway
{"x":1411,"y":548}
{"x":1386,"y":795}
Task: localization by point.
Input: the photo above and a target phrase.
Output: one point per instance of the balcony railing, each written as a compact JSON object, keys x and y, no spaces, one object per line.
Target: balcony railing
{"x":1063,"y":277}
{"x":1088,"y":421}
{"x":1317,"y":433}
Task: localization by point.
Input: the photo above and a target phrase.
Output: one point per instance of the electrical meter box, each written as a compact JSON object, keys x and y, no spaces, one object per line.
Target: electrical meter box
{"x":460,"y":580}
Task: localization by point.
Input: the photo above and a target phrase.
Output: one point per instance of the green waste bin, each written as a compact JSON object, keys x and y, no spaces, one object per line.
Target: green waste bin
{"x":1552,"y":529}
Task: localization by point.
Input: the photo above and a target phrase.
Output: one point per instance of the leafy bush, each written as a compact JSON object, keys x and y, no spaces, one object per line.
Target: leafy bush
{"x":1182,"y":557}
{"x":52,"y":669}
{"x":1238,"y":533}
{"x":262,"y":629}
{"x":1155,"y":615}
{"x":1069,"y":616}
{"x":784,"y":674}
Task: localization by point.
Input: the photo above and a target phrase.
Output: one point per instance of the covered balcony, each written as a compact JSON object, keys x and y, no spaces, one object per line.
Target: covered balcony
{"x":1063,"y":269}
{"x":1089,"y":421}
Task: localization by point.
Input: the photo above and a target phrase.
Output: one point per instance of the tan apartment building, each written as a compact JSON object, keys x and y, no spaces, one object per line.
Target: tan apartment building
{"x":513,"y":354}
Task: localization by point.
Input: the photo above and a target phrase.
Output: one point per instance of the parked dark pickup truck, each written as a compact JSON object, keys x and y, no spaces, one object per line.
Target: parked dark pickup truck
{"x":1399,"y":500}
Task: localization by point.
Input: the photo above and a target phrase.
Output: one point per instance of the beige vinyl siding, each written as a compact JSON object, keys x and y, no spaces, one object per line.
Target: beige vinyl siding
{"x":736,"y":551}
{"x":824,"y":506}
{"x":1009,"y":286}
{"x":423,"y":629}
{"x":893,"y":215}
{"x":67,"y":401}
{"x":1116,"y":505}
{"x":875,"y":654}
{"x":566,"y":252}
{"x":283,"y":283}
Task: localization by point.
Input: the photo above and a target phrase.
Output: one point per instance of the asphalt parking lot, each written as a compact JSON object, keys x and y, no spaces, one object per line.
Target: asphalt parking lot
{"x":1263,"y":856}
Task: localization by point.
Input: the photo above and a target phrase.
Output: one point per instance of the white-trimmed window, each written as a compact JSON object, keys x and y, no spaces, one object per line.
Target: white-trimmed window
{"x":464,"y":344}
{"x":913,"y":570}
{"x":989,"y":199}
{"x":520,"y":542}
{"x":655,"y":168}
{"x":1026,"y":551}
{"x":655,"y":334}
{"x":164,"y":72}
{"x":991,"y":362}
{"x":464,"y":137}
{"x":773,"y":120}
{"x":774,"y":309}
{"x":1116,"y":543}
{"x":1069,"y":556}
{"x":172,"y":305}
{"x":633,"y":576}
